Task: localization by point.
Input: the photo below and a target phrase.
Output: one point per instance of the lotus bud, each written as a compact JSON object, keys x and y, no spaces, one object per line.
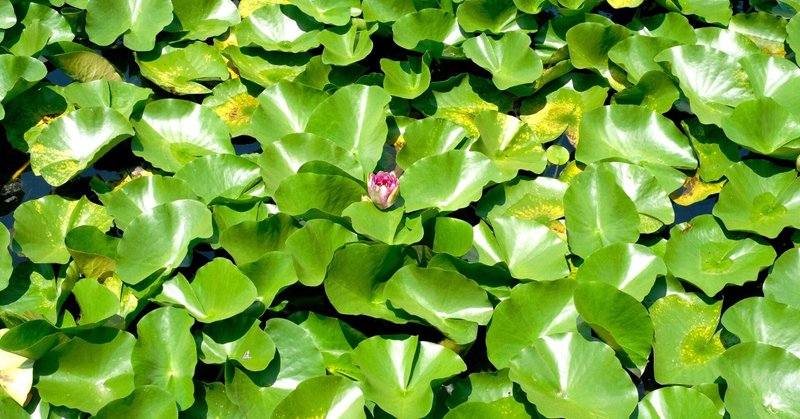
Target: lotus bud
{"x":383,"y":188}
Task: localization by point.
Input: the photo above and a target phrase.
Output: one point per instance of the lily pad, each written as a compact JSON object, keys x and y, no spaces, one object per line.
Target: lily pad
{"x":303,"y":192}
{"x":218,"y":291}
{"x":631,"y":268}
{"x":284,"y":108}
{"x":764,"y":126}
{"x":143,"y":194}
{"x":223,"y":178}
{"x":313,"y":247}
{"x":759,"y":197}
{"x":447,"y":300}
{"x":764,"y":320}
{"x":687,"y":344}
{"x":173,"y":132}
{"x":41,"y":226}
{"x":594,"y":222}
{"x":72,"y":375}
{"x":567,"y":376}
{"x":406,"y":79}
{"x":157,"y":240}
{"x":345,"y":47}
{"x":531,"y":250}
{"x":138,"y":21}
{"x":180,"y":70}
{"x":231,"y":101}
{"x":426,"y":137}
{"x":781,"y":283}
{"x":248,"y":241}
{"x":169,"y":367}
{"x":634,"y":134}
{"x":510,"y":143}
{"x":427,"y":30}
{"x":354,"y":119}
{"x":279,"y":28}
{"x":676,"y":402}
{"x":323,"y":396}
{"x":539,"y":199}
{"x":97,"y":302}
{"x":239,"y":339}
{"x":545,"y":308}
{"x":762,"y":381}
{"x":125,"y":98}
{"x":723,"y":257}
{"x":510,"y":59}
{"x":355,"y":282}
{"x":203,"y":19}
{"x":147,"y":401}
{"x":617,"y":318}
{"x":447,"y":181}
{"x":19,"y":74}
{"x":70,"y":144}
{"x":399,"y":373}
{"x":715,"y":152}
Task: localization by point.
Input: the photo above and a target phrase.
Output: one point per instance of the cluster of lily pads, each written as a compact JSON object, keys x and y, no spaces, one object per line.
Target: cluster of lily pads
{"x":405,"y":208}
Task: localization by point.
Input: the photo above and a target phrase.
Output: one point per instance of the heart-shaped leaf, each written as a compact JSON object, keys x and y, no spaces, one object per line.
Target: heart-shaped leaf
{"x":276,"y":27}
{"x":426,"y":137}
{"x":327,"y":395}
{"x":138,"y":21}
{"x":510,"y":59}
{"x":143,"y":194}
{"x":676,"y":402}
{"x":237,"y":339}
{"x":223,"y":178}
{"x":780,"y":284}
{"x":149,"y":401}
{"x":510,"y":143}
{"x":203,"y":19}
{"x":313,"y":247}
{"x":631,"y":268}
{"x":764,"y":320}
{"x":406,"y":79}
{"x":192,"y":64}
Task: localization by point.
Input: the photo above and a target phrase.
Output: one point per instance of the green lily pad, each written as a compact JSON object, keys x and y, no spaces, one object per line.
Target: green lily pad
{"x":149,"y":401}
{"x":223,"y":177}
{"x":447,"y":181}
{"x":655,"y":90}
{"x":764,"y":126}
{"x":539,"y":199}
{"x":32,"y":294}
{"x":332,"y":12}
{"x":772,"y":77}
{"x":323,"y":396}
{"x":677,"y":402}
{"x":284,"y":108}
{"x":426,"y":137}
{"x":510,"y":59}
{"x":617,"y":318}
{"x":303,"y":192}
{"x":510,"y":143}
{"x":780,"y":284}
{"x":723,"y":257}
{"x":334,"y":338}
{"x":282,"y":158}
{"x":180,"y":70}
{"x":41,"y":226}
{"x":354,"y":118}
{"x":231,"y":101}
{"x":388,"y":226}
{"x":313,"y":247}
{"x":460,"y":104}
{"x":123,"y":97}
{"x":218,"y":291}
{"x":169,"y":367}
{"x":237,"y":339}
{"x":635,"y":134}
{"x":593,"y":223}
{"x":447,"y":300}
{"x":270,"y":274}
{"x":534,"y":310}
{"x":19,"y":74}
{"x":248,"y":241}
{"x":636,"y":54}
{"x":759,"y":197}
{"x":427,"y":30}
{"x":406,"y":79}
{"x":727,"y":41}
{"x":355,"y":282}
{"x":85,"y":65}
{"x":5,"y":257}
{"x":94,"y":252}
{"x":764,"y":320}
{"x":143,"y":194}
{"x":551,"y":113}
{"x":687,"y":345}
{"x":531,"y":250}
{"x":138,"y":21}
{"x":157,"y":240}
{"x":711,"y":80}
{"x":278,"y":28}
{"x":203,"y":19}
{"x":399,"y":373}
{"x":298,"y":359}
{"x":715,"y":152}
{"x":492,"y":16}
{"x":345,"y":47}
{"x":452,"y":236}
{"x":762,"y":381}
{"x":631,"y":268}
{"x":381,"y":11}
{"x":72,"y":375}
{"x":590,"y":42}
{"x":97,"y":302}
{"x":711,"y":11}
{"x":72,"y":143}
{"x":211,"y":400}
{"x":568,"y":376}
{"x":266,"y":67}
{"x":173,"y":132}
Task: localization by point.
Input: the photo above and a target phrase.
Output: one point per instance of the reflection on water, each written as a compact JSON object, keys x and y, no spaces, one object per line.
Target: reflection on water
{"x":33,"y":187}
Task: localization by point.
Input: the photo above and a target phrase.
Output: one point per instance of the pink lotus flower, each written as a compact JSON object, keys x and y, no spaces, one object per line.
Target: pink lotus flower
{"x":383,"y":188}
